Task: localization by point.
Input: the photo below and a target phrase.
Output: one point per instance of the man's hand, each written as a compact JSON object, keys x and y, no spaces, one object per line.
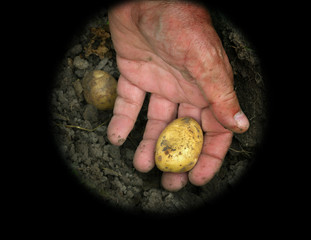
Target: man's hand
{"x":172,"y":50}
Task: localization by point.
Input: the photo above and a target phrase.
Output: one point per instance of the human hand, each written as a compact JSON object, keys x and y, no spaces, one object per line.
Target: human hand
{"x":171,"y":50}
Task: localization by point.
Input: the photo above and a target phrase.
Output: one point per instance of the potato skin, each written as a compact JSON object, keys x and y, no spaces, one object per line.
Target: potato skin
{"x":179,"y":146}
{"x":100,"y":89}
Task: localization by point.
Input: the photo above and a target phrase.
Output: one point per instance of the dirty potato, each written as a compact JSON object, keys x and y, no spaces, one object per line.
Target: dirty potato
{"x":100,"y":89}
{"x":179,"y":146}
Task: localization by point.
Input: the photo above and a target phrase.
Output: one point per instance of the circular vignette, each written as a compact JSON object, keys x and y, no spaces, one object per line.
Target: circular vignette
{"x":104,"y":171}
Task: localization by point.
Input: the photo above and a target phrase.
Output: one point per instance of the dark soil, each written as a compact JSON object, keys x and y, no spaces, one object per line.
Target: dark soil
{"x":107,"y":170}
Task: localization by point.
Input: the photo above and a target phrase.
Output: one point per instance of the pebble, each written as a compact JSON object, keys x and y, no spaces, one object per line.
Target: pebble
{"x":76,"y":49}
{"x":80,"y":63}
{"x":80,"y":73}
{"x":62,"y":98}
{"x":102,"y":64}
{"x":78,"y":88}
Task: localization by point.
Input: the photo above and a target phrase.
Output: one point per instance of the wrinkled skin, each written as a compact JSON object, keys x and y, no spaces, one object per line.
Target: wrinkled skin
{"x":172,"y":50}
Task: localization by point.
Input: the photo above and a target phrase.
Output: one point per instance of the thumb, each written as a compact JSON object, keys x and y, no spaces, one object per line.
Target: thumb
{"x":228,"y":112}
{"x":216,"y":84}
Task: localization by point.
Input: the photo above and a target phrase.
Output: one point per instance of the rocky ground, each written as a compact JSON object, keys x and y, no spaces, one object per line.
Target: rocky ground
{"x":80,"y":129}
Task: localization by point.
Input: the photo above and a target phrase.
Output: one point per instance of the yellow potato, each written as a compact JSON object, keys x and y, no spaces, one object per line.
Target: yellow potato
{"x":100,"y":89}
{"x":179,"y":146}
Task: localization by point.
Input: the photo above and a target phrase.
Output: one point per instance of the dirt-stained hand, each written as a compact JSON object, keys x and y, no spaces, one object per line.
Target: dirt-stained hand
{"x":171,"y":50}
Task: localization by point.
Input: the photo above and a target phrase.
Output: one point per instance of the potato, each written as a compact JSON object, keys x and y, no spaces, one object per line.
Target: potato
{"x":179,"y":146}
{"x":100,"y":89}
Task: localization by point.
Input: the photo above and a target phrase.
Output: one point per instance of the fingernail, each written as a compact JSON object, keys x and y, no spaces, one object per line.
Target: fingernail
{"x":241,"y":121}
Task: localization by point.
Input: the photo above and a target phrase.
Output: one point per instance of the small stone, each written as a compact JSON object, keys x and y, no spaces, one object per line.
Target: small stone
{"x":78,"y":88}
{"x":76,"y":49}
{"x":108,"y":171}
{"x":80,"y":73}
{"x":80,"y":63}
{"x":102,"y":64}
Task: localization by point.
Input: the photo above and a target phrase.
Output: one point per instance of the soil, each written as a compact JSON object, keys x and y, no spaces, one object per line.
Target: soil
{"x":107,"y":170}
